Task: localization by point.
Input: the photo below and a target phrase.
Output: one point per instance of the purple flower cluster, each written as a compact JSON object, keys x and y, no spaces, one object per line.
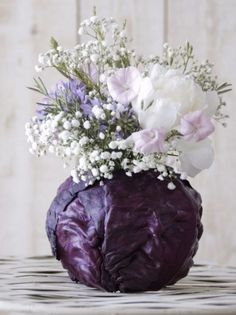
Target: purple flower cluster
{"x":67,"y":96}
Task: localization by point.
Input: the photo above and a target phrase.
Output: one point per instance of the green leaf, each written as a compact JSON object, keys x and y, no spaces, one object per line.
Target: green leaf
{"x":53,"y":43}
{"x":224,"y":91}
{"x":150,"y":104}
{"x":142,"y":104}
{"x":33,"y":89}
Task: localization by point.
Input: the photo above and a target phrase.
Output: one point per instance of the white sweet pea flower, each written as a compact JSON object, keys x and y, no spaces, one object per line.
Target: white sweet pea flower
{"x":124,"y":84}
{"x":195,"y":156}
{"x":166,"y":95}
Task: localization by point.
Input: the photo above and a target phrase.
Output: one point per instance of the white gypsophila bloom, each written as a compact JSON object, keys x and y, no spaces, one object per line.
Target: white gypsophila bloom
{"x":103,"y":168}
{"x":97,"y":111}
{"x":54,"y":124}
{"x":78,"y":114}
{"x":102,"y":78}
{"x":65,"y":135}
{"x":94,"y":58}
{"x":160,"y":177}
{"x":171,"y":186}
{"x":122,"y":144}
{"x":87,"y":124}
{"x":101,"y":135}
{"x":75,"y":123}
{"x":125,"y":163}
{"x":95,"y":172}
{"x":81,"y":31}
{"x":116,"y":155}
{"x":68,"y":151}
{"x":112,"y":145}
{"x":38,"y":68}
{"x":74,"y":175}
{"x":67,"y":125}
{"x":76,"y":149}
{"x":108,"y":106}
{"x":83,"y":163}
{"x":84,"y":140}
{"x":105,"y":155}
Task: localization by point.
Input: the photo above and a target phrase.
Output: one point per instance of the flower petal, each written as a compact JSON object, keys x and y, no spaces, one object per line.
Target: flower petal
{"x":195,"y":156}
{"x":160,"y":115}
{"x":124,"y":84}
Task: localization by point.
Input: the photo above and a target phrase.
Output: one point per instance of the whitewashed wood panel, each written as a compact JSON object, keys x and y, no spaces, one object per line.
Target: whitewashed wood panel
{"x":211,"y":27}
{"x":27,"y":184}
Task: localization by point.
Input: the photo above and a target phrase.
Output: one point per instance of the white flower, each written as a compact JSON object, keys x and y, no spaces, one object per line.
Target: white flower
{"x":87,"y":124}
{"x":38,"y":68}
{"x":83,"y":141}
{"x":102,"y":78}
{"x":112,"y":145}
{"x":74,"y":175}
{"x":65,"y":135}
{"x":67,"y":125}
{"x":75,"y":123}
{"x":68,"y":151}
{"x":76,"y":149}
{"x":122,"y":34}
{"x":101,"y":135}
{"x":95,"y":172}
{"x":166,"y":95}
{"x":104,"y":168}
{"x":105,"y":155}
{"x":81,"y":31}
{"x":78,"y":114}
{"x":171,"y":186}
{"x":195,"y":156}
{"x":93,"y":19}
{"x":94,"y":58}
{"x":97,"y":111}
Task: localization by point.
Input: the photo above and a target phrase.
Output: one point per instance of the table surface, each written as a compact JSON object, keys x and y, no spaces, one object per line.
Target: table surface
{"x":39,"y":285}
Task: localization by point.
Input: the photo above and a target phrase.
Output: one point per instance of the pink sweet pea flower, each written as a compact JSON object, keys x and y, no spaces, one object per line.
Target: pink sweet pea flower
{"x":124,"y":84}
{"x":196,"y":126}
{"x":149,"y":140}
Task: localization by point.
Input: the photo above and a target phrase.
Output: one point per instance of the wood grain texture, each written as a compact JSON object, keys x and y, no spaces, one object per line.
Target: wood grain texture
{"x":38,"y":285}
{"x":27,"y":183}
{"x":211,"y":27}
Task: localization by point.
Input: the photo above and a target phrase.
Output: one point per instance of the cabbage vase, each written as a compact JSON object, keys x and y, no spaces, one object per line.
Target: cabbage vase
{"x":130,"y":234}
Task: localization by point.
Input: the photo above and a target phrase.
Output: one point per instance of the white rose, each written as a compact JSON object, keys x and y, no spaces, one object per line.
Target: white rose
{"x":166,"y":95}
{"x":195,"y":156}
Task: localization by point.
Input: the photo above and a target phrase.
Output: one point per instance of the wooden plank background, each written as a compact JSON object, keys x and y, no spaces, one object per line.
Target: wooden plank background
{"x":27,"y":184}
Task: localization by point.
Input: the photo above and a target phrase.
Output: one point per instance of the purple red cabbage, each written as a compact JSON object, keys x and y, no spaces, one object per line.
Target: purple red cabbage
{"x":131,"y":234}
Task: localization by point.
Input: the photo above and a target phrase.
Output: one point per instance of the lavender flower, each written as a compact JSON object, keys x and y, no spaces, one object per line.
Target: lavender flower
{"x":149,"y":140}
{"x":67,"y":96}
{"x":196,"y":126}
{"x":124,"y":84}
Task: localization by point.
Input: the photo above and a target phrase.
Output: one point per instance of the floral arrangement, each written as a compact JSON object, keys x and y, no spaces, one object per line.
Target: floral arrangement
{"x":116,"y":110}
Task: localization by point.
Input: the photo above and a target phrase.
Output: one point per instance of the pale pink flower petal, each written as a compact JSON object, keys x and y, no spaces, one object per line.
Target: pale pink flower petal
{"x":124,"y":84}
{"x":196,"y":126}
{"x":149,"y":140}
